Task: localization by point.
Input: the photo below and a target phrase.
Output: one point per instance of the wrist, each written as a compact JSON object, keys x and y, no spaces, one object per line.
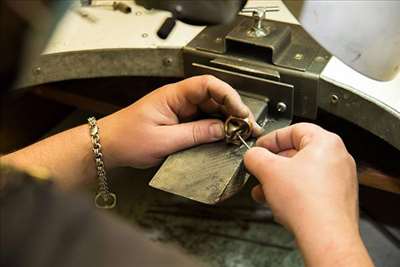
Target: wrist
{"x":333,"y":243}
{"x":108,"y":144}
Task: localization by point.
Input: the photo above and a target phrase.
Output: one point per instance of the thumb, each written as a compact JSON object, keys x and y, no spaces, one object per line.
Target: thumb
{"x":185,"y":135}
{"x":262,"y":163}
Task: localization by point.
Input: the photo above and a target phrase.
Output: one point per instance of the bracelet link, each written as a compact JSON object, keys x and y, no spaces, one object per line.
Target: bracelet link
{"x":104,"y":198}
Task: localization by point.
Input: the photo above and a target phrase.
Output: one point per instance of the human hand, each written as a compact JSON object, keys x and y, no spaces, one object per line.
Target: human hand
{"x":309,"y":180}
{"x":157,"y":125}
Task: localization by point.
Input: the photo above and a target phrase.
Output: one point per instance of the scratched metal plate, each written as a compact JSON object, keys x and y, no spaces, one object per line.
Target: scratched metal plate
{"x":208,"y":173}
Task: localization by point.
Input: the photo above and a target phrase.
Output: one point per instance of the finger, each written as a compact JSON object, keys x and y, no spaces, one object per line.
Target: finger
{"x":185,"y":135}
{"x":257,"y":129}
{"x":296,"y":136}
{"x":210,"y":106}
{"x":262,"y":163}
{"x":257,"y":194}
{"x":200,"y":88}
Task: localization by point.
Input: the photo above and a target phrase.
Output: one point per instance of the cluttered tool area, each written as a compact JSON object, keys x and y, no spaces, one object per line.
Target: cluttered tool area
{"x":104,"y":55}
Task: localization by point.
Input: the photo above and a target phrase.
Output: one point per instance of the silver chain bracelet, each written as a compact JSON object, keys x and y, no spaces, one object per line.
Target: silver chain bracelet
{"x":104,"y":198}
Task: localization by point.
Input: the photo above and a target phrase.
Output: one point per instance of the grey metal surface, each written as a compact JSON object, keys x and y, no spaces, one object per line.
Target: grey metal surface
{"x":104,"y":63}
{"x":208,"y":173}
{"x":365,"y":112}
{"x":363,"y":34}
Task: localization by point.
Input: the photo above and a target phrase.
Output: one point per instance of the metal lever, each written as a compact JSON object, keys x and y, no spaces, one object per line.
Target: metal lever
{"x":259,"y":13}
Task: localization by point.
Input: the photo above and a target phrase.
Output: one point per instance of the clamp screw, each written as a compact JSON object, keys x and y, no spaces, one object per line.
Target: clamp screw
{"x":167,"y":61}
{"x":320,"y":59}
{"x":218,"y":40}
{"x":334,"y":99}
{"x":298,"y":56}
{"x":281,"y":107}
{"x":37,"y":70}
{"x":259,"y":13}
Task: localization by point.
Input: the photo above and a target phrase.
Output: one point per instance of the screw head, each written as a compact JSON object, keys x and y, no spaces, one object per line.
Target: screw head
{"x":178,"y":8}
{"x":281,"y":107}
{"x":37,"y":70}
{"x":167,"y":61}
{"x":334,"y":99}
{"x":218,"y":40}
{"x":145,"y":35}
{"x":320,"y":59}
{"x":298,"y":56}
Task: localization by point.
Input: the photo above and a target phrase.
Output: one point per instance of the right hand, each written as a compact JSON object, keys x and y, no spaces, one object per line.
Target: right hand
{"x":309,"y":180}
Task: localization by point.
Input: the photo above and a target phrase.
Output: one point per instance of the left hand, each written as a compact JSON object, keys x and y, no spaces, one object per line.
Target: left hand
{"x":157,"y":125}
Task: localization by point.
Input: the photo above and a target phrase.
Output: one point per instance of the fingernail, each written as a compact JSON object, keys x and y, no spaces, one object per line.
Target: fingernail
{"x":257,"y":130}
{"x":217,"y":130}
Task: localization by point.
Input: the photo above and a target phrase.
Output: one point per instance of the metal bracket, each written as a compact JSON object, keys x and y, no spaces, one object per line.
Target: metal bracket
{"x":286,"y":54}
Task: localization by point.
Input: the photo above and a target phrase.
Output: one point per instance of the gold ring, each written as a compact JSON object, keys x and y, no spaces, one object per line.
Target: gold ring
{"x":235,"y":126}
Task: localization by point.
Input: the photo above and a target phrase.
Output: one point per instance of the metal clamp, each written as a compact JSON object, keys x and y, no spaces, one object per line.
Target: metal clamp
{"x":259,"y":13}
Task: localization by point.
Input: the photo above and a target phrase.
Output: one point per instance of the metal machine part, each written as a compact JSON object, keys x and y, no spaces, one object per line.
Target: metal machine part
{"x":287,"y":56}
{"x":268,"y":69}
{"x":198,"y":12}
{"x":345,"y":28}
{"x":120,"y":6}
{"x":212,"y":13}
{"x":211,"y":173}
{"x":259,"y":15}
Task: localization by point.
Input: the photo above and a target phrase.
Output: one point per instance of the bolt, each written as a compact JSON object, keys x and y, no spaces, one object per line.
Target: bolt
{"x":144,"y":35}
{"x":281,"y":107}
{"x":320,"y":59}
{"x":178,"y":8}
{"x":37,"y":70}
{"x":334,"y":99}
{"x":167,"y":61}
{"x":299,"y":56}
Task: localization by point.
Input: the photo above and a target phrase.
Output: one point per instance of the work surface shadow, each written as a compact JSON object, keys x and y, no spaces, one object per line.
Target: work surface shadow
{"x":237,"y":232}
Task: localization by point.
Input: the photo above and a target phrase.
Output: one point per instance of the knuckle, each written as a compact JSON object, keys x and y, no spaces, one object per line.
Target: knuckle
{"x":335,"y":140}
{"x":351,"y":161}
{"x":206,"y":79}
{"x":197,"y":133}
